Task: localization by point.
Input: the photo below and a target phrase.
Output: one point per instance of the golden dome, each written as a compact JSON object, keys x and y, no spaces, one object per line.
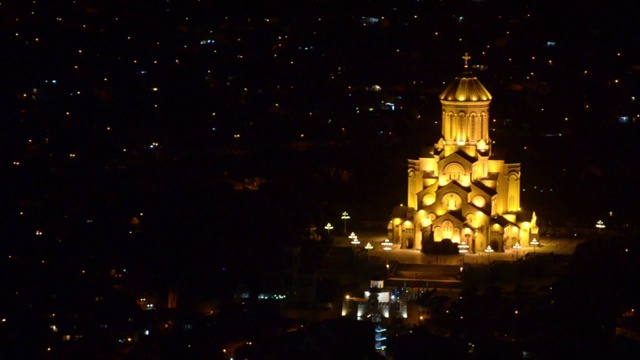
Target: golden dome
{"x":465,"y":88}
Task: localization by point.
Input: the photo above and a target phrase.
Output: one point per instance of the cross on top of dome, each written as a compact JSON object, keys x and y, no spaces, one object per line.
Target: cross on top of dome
{"x":466,"y":58}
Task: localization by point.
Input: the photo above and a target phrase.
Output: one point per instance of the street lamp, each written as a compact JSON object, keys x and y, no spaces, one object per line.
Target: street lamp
{"x":600,"y":225}
{"x":345,"y":217}
{"x":387,"y":245}
{"x":534,"y":243}
{"x":463,"y":248}
{"x":368,"y":247}
{"x":354,"y":241}
{"x":488,"y":250}
{"x":517,"y":246}
{"x":328,"y":227}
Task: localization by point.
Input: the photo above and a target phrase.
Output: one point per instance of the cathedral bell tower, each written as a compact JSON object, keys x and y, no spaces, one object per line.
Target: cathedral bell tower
{"x":465,"y":115}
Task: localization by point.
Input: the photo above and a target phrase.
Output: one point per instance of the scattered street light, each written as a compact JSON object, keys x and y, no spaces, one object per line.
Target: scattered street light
{"x":345,"y":217}
{"x":488,"y":250}
{"x":354,"y":241}
{"x":517,"y":246}
{"x":328,"y":227}
{"x":463,"y":248}
{"x":368,"y":247}
{"x":387,"y":246}
{"x":534,"y":243}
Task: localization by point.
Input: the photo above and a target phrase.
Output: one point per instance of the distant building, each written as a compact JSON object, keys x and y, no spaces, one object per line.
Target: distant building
{"x":461,"y":189}
{"x":379,"y":305}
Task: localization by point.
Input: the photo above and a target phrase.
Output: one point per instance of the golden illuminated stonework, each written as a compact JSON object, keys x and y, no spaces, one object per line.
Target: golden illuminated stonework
{"x":465,"y":88}
{"x":461,"y":189}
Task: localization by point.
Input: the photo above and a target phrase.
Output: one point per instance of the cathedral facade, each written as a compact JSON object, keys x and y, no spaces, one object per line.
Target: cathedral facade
{"x":461,"y":188}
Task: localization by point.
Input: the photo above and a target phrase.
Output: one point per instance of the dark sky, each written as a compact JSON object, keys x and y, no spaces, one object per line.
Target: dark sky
{"x":110,"y":106}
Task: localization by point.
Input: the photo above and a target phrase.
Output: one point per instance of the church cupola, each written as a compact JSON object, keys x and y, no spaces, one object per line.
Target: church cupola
{"x":465,"y":88}
{"x":465,"y":113}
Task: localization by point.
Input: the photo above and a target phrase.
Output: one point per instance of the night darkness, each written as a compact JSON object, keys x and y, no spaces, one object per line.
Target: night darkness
{"x":152,"y":147}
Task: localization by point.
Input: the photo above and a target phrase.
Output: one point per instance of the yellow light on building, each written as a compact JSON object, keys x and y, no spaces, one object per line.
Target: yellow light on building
{"x":463,"y":159}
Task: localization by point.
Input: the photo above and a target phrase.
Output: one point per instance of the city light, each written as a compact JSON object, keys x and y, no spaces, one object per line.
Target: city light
{"x":328,"y":227}
{"x":268,"y":129}
{"x":463,"y":249}
{"x":488,"y":250}
{"x":517,"y":246}
{"x":535,"y":243}
{"x":387,"y":246}
{"x":345,"y":217}
{"x":354,"y":239}
{"x":368,"y":247}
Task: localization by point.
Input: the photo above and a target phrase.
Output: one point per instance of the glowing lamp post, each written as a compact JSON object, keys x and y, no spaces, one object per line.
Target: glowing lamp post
{"x":368,"y":247}
{"x":488,"y":250}
{"x":345,"y":217}
{"x":463,"y":248}
{"x":328,"y":227}
{"x":517,"y":246}
{"x":387,"y":245}
{"x":354,"y":241}
{"x":535,"y":243}
{"x":600,"y":225}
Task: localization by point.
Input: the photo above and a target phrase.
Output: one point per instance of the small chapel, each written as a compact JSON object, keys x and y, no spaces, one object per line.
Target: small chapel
{"x":461,"y":189}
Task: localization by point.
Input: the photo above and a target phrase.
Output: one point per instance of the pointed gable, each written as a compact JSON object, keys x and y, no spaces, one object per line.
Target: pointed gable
{"x":454,"y":216}
{"x":453,"y":186}
{"x":479,"y":187}
{"x":459,"y":157}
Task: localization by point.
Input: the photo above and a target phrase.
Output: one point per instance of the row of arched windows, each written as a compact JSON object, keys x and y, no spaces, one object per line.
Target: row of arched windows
{"x":476,"y":126}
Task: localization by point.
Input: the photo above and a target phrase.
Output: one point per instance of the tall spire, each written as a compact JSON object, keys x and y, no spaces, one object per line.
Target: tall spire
{"x":466,"y":58}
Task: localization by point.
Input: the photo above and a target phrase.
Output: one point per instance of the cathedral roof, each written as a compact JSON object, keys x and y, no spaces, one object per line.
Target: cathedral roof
{"x":452,"y":184}
{"x":474,"y":208}
{"x":451,"y":215}
{"x":489,"y":191}
{"x":492,"y":176}
{"x":502,"y":221}
{"x":464,"y":155}
{"x":524,"y":215}
{"x":429,"y":175}
{"x":465,"y":88}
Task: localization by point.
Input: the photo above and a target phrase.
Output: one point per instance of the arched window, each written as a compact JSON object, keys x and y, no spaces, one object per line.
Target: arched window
{"x":447,"y":229}
{"x":451,"y":125}
{"x":454,"y":171}
{"x":452,"y":204}
{"x":451,"y":201}
{"x":472,"y":127}
{"x":479,"y":201}
{"x":484,"y":125}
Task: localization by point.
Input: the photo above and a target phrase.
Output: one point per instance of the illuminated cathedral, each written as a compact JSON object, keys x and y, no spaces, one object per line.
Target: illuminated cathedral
{"x":461,"y":188}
